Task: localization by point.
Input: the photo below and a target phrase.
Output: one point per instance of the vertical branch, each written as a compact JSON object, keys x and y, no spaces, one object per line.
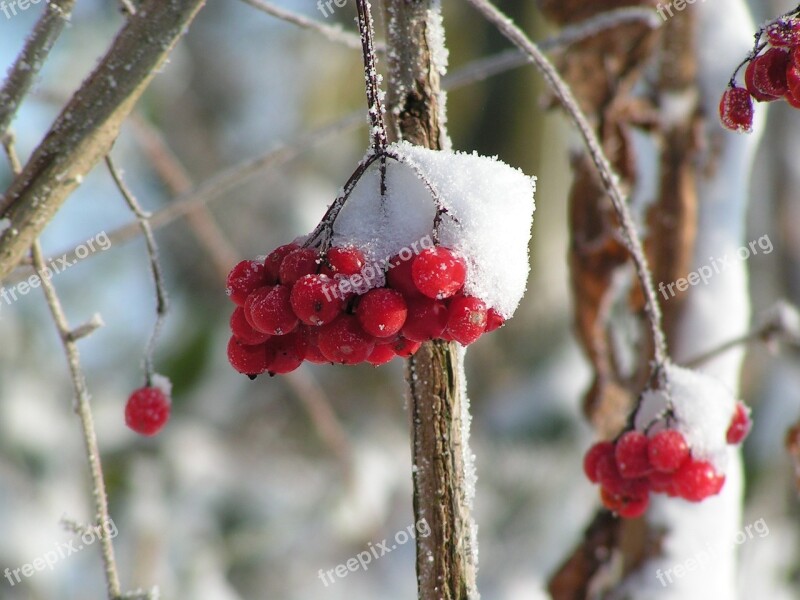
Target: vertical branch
{"x":439,"y":420}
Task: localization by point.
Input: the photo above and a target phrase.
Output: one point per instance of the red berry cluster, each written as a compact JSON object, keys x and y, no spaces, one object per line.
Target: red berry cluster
{"x":299,"y":305}
{"x":636,"y":464}
{"x":772,"y":72}
{"x":147,"y":410}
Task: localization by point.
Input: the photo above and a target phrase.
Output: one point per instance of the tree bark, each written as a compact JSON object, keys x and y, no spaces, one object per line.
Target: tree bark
{"x":442,"y":474}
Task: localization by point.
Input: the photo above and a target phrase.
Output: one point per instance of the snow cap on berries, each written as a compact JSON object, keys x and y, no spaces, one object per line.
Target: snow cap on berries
{"x":703,"y":407}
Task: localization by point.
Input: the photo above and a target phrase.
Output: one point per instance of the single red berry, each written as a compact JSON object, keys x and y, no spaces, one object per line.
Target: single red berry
{"x":736,"y":110}
{"x":662,"y":483}
{"x":147,"y":410}
{"x":405,"y":348}
{"x":314,"y":301}
{"x":793,"y":80}
{"x":271,"y":311}
{"x":631,"y":455}
{"x":467,"y":319}
{"x":381,"y":354}
{"x":608,"y":475}
{"x":313,"y":354}
{"x":299,"y":262}
{"x":243,"y":331}
{"x":243,"y":279}
{"x":344,"y":341}
{"x":398,"y":277}
{"x":784,"y":33}
{"x":628,"y":507}
{"x":493,"y":320}
{"x":426,"y":319}
{"x":769,"y":72}
{"x":274,"y":259}
{"x":287,"y":351}
{"x":382,"y":312}
{"x":667,"y":450}
{"x":696,"y":480}
{"x":740,"y":424}
{"x":247,"y":359}
{"x":749,"y":74}
{"x":346,"y":260}
{"x":438,"y":272}
{"x":593,"y":456}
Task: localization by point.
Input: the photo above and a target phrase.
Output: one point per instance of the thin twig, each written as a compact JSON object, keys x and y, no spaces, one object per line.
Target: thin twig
{"x":84,"y":411}
{"x":32,"y":58}
{"x":374,"y":103}
{"x":333,"y":33}
{"x":607,"y":175}
{"x":155,"y":266}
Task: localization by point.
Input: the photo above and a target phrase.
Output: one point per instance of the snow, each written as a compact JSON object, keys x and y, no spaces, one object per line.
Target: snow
{"x":703,"y":406}
{"x":490,"y":211}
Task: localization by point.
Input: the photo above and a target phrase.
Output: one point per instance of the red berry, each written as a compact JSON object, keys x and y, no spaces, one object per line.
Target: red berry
{"x":662,"y":483}
{"x":467,"y":319}
{"x":249,"y":360}
{"x":147,"y":410}
{"x":493,"y":320}
{"x":736,"y":110}
{"x":426,"y":320}
{"x":793,"y":80}
{"x":288,"y":352}
{"x":438,"y":272}
{"x":274,"y":259}
{"x":593,"y":456}
{"x":345,"y":342}
{"x":631,"y":455}
{"x":740,"y":424}
{"x":382,"y":312}
{"x":667,"y":450}
{"x":313,"y":300}
{"x":381,"y":354}
{"x":243,"y":331}
{"x":697,"y":480}
{"x":405,"y":348}
{"x":769,"y":72}
{"x":784,"y":33}
{"x":346,"y":260}
{"x":628,"y":507}
{"x":243,"y":279}
{"x":270,"y":310}
{"x":313,"y":354}
{"x":299,"y":262}
{"x":398,"y":277}
{"x":791,"y":99}
{"x":749,"y":74}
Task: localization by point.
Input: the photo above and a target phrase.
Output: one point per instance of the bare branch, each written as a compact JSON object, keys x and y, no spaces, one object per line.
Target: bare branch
{"x":89,"y":123}
{"x":32,"y":58}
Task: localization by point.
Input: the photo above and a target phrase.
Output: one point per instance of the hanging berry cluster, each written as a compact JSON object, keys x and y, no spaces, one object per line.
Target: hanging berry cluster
{"x":772,"y":73}
{"x":656,"y":456}
{"x":299,"y":305}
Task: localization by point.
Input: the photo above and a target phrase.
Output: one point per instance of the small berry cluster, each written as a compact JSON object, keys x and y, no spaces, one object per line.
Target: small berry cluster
{"x":773,"y":72}
{"x":147,"y":410}
{"x":297,"y":305}
{"x":635,"y":464}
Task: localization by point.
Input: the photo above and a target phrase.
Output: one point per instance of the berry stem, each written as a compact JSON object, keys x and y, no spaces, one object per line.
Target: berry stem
{"x":162,"y":303}
{"x":609,"y":179}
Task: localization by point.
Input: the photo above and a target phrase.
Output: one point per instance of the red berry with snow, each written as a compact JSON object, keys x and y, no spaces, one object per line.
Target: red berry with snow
{"x":313,"y":300}
{"x":147,"y":410}
{"x":626,"y":506}
{"x":273,"y":261}
{"x":381,"y":354}
{"x":736,"y":110}
{"x":345,"y":260}
{"x":740,"y":425}
{"x":382,"y":312}
{"x":248,"y":359}
{"x":245,"y":278}
{"x":299,"y":262}
{"x":784,"y":33}
{"x":398,"y":277}
{"x":467,"y":318}
{"x":270,"y":310}
{"x":344,"y":341}
{"x":793,"y":80}
{"x":631,"y":453}
{"x":404,"y":347}
{"x":592,"y":458}
{"x":749,"y":82}
{"x":426,"y":320}
{"x":493,"y":320}
{"x":696,"y":480}
{"x":287,"y":352}
{"x":244,"y":331}
{"x":438,"y":272}
{"x":667,"y":450}
{"x":769,"y":72}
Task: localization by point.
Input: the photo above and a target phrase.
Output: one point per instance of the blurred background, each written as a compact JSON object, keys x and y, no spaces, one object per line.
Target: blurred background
{"x":253,"y":487}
